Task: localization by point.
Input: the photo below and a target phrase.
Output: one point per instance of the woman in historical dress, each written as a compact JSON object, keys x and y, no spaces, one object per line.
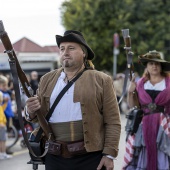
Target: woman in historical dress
{"x":149,"y":148}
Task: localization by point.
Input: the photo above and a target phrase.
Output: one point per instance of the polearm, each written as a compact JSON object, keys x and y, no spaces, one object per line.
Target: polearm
{"x":129,"y":67}
{"x":22,"y":77}
{"x":135,"y":113}
{"x":129,"y":53}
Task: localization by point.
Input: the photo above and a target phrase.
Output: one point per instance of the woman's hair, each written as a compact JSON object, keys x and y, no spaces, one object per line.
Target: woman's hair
{"x":146,"y":74}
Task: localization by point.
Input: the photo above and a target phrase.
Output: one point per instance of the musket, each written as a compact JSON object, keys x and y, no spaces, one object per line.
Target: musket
{"x":18,"y":74}
{"x":129,"y":68}
{"x":134,"y":117}
{"x":22,"y":77}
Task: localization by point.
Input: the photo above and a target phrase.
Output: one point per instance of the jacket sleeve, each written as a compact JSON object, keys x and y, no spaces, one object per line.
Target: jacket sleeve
{"x":111,"y":115}
{"x":26,"y":115}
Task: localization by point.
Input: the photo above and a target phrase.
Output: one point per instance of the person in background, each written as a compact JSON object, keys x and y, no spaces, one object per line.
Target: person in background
{"x":10,"y":84}
{"x":34,"y":81}
{"x":87,"y":114}
{"x":4,"y":89}
{"x":137,"y":77}
{"x":149,"y":148}
{"x":118,"y":86}
{"x":13,"y":102}
{"x":3,"y":104}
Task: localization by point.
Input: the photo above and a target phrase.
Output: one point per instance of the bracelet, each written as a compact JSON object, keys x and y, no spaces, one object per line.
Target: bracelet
{"x":109,"y":156}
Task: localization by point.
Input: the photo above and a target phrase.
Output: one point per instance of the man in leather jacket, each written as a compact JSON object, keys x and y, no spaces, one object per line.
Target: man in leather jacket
{"x":88,"y":112}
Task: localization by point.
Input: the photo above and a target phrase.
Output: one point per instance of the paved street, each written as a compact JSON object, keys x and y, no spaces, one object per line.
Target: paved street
{"x":118,"y":162}
{"x":19,"y":160}
{"x":21,"y":157}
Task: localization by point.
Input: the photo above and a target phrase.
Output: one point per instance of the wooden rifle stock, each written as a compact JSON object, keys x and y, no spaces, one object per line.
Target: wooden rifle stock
{"x":22,"y":77}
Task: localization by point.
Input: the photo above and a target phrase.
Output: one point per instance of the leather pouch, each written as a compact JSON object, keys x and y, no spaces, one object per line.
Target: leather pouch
{"x":54,"y":148}
{"x":76,"y":148}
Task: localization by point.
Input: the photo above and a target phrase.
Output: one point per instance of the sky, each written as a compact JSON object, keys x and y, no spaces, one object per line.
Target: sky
{"x":37,"y":20}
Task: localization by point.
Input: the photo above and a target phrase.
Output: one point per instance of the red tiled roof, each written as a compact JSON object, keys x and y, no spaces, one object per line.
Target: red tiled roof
{"x":28,"y":46}
{"x":51,"y":48}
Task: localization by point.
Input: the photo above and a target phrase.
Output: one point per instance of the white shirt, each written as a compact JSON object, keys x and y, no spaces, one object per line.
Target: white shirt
{"x":158,"y":86}
{"x":66,"y":110}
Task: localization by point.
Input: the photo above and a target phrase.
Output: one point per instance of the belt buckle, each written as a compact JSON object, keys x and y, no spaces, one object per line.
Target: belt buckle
{"x":152,"y":106}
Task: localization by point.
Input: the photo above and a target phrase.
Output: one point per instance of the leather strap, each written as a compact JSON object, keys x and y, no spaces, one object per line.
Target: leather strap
{"x":18,"y":101}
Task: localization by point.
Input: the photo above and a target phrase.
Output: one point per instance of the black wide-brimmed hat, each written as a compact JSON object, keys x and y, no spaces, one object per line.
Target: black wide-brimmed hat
{"x":156,"y":57}
{"x":75,"y":36}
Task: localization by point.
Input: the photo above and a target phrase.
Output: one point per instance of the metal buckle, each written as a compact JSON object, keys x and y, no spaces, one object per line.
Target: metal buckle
{"x":152,"y":106}
{"x":9,"y":51}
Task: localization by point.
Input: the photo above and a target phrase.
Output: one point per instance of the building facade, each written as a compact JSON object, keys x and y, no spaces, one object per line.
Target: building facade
{"x":32,"y":57}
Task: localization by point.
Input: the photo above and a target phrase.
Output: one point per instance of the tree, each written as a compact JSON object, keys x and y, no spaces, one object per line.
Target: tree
{"x":147,"y":20}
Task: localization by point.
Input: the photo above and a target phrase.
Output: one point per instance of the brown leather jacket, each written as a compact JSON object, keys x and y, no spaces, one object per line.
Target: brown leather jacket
{"x":100,"y":112}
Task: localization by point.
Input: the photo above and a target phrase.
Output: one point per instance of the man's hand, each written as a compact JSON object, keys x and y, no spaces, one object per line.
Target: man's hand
{"x":33,"y":105}
{"x":107,"y":162}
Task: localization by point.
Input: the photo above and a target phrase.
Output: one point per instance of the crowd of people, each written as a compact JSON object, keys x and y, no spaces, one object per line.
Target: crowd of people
{"x":8,"y":108}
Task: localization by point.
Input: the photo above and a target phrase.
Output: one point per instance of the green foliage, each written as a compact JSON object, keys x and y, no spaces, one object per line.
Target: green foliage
{"x":147,"y":20}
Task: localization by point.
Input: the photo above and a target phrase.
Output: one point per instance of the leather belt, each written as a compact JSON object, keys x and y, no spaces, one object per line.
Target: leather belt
{"x":153,"y":108}
{"x":66,"y":149}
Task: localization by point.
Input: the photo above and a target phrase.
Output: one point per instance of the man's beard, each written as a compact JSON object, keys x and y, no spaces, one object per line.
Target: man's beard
{"x":67,"y":64}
